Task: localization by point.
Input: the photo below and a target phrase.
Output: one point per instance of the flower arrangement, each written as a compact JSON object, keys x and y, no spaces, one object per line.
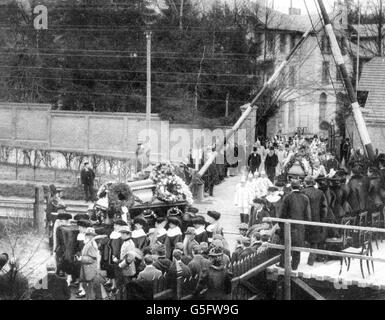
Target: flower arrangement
{"x":118,"y":194}
{"x":304,"y":160}
{"x":169,"y":187}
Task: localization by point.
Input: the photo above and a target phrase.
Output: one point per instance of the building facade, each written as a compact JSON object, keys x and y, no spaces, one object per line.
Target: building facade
{"x":310,"y":90}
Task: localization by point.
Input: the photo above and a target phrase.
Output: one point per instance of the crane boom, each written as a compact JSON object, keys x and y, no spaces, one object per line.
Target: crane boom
{"x":357,"y":114}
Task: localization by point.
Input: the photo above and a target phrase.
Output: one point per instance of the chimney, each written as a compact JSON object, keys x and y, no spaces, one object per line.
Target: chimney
{"x":294,"y":11}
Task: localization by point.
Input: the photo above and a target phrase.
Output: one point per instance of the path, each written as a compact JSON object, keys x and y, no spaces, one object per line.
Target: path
{"x":223,"y":202}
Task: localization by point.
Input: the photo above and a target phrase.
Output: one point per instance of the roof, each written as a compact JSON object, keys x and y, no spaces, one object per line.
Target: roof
{"x":365,"y":51}
{"x":365,"y":30}
{"x":372,"y":80}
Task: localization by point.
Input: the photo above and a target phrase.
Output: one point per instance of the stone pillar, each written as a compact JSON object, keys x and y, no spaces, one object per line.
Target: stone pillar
{"x":285,"y":124}
{"x":249,"y":126}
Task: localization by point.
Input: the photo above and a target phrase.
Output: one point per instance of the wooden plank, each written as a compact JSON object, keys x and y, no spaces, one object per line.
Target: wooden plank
{"x":287,"y":280}
{"x":326,"y":252}
{"x":256,"y":270}
{"x":167,"y":294}
{"x":309,"y":290}
{"x":321,"y":224}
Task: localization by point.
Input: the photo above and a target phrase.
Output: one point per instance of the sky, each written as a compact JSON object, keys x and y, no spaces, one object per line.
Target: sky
{"x":283,"y":5}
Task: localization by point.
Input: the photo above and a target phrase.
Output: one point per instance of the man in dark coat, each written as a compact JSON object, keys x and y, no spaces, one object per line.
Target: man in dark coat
{"x":345,"y":150}
{"x":271,"y":163}
{"x":162,"y":263}
{"x":87,"y":177}
{"x":357,"y":190}
{"x":216,"y":279}
{"x":198,"y":263}
{"x":318,"y":207}
{"x":296,"y":206}
{"x":177,"y":268}
{"x":254,"y":161}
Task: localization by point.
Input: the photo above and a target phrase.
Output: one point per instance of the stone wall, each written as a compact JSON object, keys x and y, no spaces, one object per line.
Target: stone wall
{"x":110,"y":134}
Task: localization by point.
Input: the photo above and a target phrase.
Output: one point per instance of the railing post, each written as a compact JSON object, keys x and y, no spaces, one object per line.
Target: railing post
{"x":287,"y":287}
{"x":38,"y":212}
{"x":179,"y":281}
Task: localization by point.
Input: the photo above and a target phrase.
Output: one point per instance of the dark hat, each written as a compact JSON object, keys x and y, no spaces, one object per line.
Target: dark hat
{"x":280,"y":184}
{"x":85,"y":162}
{"x":272,"y":189}
{"x":216,"y":252}
{"x":141,"y":221}
{"x":64,"y":216}
{"x":81,"y":216}
{"x":192,"y":210}
{"x":174,"y":212}
{"x":271,"y":148}
{"x":161,"y":250}
{"x":148,"y":214}
{"x":198,"y":220}
{"x":259,"y":200}
{"x":174,"y":220}
{"x":309,"y":181}
{"x":160,"y":219}
{"x":214,"y":214}
{"x":120,"y":222}
{"x":84,"y":223}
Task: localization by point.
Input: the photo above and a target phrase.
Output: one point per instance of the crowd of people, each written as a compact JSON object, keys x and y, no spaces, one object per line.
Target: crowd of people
{"x":324,"y":188}
{"x":121,"y":259}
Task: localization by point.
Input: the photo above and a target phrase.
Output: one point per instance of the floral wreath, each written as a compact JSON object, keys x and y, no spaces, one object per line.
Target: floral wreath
{"x":169,"y":187}
{"x":300,"y":159}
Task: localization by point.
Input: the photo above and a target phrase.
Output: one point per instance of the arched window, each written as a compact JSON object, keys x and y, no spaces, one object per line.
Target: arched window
{"x":323,"y":103}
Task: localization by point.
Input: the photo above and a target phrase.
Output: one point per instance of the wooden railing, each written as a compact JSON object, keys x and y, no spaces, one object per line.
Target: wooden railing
{"x":288,"y":248}
{"x":244,"y":284}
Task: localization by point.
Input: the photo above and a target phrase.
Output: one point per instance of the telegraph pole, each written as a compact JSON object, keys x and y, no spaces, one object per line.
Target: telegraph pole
{"x":148,"y":97}
{"x":336,"y":51}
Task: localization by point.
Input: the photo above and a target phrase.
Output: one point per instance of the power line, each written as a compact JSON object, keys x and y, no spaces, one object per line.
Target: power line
{"x":126,"y":51}
{"x":113,"y":56}
{"x":130,"y":81}
{"x":132,"y":71}
{"x":64,"y":92}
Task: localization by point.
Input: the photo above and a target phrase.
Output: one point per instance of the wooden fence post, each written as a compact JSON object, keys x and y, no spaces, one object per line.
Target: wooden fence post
{"x":179,"y":282}
{"x":287,"y":280}
{"x":38,"y":209}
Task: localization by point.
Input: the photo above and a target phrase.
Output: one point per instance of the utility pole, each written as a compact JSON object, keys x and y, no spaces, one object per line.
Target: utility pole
{"x":148,"y":97}
{"x":358,"y":47}
{"x":227,"y":105}
{"x":181,"y":15}
{"x":380,"y":22}
{"x":336,"y":51}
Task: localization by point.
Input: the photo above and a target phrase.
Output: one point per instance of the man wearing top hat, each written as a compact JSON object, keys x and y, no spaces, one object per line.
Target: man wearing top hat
{"x":87,"y":177}
{"x":319,"y":212}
